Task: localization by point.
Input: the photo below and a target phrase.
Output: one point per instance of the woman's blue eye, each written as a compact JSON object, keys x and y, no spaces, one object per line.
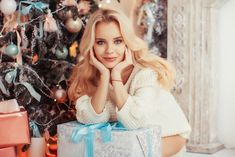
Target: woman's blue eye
{"x":100,"y":42}
{"x":119,"y":41}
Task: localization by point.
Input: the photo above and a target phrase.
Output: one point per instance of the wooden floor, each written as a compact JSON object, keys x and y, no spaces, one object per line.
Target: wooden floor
{"x":222,"y":153}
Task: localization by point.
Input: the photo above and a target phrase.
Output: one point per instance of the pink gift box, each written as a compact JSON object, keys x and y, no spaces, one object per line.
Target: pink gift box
{"x":14,"y":128}
{"x":9,"y":106}
{"x":8,"y":152}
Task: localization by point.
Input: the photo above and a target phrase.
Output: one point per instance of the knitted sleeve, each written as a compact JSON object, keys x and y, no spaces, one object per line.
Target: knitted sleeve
{"x":143,"y":90}
{"x":86,"y":114}
{"x":149,"y":104}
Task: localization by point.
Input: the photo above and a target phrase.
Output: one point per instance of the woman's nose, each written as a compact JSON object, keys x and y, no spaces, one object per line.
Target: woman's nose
{"x":110,"y":48}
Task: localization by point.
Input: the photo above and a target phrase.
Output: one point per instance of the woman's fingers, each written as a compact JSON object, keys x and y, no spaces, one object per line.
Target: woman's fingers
{"x":92,"y":57}
{"x":128,"y":56}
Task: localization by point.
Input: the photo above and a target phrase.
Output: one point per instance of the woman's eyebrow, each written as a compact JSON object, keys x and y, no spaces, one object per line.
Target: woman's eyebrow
{"x":99,"y":39}
{"x":120,"y":37}
{"x":117,"y":38}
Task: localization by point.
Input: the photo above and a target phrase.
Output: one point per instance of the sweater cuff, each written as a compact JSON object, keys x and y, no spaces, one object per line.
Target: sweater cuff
{"x":92,"y":111}
{"x":130,"y":116}
{"x":86,"y":113}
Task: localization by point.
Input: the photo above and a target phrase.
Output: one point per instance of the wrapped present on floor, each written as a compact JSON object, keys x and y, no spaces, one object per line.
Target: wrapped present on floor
{"x":14,"y":128}
{"x":9,"y":106}
{"x":107,"y":139}
{"x":8,"y":152}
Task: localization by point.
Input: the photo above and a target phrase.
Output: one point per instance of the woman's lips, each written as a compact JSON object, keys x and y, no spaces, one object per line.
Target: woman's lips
{"x":109,"y":59}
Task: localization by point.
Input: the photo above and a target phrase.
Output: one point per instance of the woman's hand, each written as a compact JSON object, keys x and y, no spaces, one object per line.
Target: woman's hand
{"x":118,"y":69}
{"x":93,"y":61}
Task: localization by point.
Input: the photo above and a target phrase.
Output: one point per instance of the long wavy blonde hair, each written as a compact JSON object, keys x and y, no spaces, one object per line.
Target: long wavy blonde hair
{"x":85,"y":76}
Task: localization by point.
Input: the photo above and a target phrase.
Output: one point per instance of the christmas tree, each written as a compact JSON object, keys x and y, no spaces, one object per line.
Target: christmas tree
{"x":39,"y":46}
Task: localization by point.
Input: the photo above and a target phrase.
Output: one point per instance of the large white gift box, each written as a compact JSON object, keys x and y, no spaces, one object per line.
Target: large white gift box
{"x":79,"y":140}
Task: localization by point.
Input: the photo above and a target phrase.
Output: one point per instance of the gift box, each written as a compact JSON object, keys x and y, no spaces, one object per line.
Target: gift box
{"x":78,"y":140}
{"x":14,"y":128}
{"x":8,"y":152}
{"x":8,"y":106}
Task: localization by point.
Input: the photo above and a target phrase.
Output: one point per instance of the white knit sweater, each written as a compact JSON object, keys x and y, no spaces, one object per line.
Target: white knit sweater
{"x":148,"y":104}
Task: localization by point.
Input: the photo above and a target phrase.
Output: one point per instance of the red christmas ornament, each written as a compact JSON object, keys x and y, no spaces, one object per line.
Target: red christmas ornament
{"x":60,"y":95}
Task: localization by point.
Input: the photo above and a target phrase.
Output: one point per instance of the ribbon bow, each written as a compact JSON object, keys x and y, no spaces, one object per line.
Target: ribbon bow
{"x":11,"y":78}
{"x":3,"y":89}
{"x":34,"y":127}
{"x":86,"y":132}
{"x":38,"y":5}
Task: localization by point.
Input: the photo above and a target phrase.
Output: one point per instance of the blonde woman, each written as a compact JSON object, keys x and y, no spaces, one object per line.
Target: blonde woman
{"x":119,"y":80}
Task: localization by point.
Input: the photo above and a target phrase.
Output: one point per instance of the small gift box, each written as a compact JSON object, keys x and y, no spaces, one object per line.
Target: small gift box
{"x":8,"y":152}
{"x":9,"y":106}
{"x":14,"y":128}
{"x":107,"y":139}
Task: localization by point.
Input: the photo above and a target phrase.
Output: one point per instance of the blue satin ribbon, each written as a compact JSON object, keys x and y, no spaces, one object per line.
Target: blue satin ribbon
{"x":35,"y":129}
{"x":38,"y":5}
{"x":149,"y":144}
{"x":3,"y":89}
{"x":10,"y":77}
{"x":86,"y":132}
{"x":31,"y":90}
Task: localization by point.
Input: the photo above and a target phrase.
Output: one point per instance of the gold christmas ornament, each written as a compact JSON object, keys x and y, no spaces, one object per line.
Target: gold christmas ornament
{"x":73,"y":49}
{"x":74,"y":26}
{"x":35,"y":58}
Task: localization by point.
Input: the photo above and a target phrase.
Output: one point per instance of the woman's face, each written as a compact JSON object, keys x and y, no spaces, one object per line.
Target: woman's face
{"x":109,"y":46}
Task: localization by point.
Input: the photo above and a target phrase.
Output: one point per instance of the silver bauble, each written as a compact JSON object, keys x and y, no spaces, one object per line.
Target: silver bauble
{"x":61,"y":54}
{"x":11,"y":50}
{"x":73,"y":26}
{"x":8,"y":6}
